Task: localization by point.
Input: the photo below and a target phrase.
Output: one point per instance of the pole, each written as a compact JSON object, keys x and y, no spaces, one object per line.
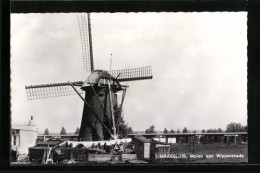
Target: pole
{"x":110,"y":98}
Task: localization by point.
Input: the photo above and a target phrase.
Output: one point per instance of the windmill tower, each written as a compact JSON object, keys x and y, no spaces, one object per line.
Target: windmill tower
{"x":101,"y":111}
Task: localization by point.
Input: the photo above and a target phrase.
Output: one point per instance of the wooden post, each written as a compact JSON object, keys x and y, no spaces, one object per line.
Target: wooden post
{"x":244,"y":138}
{"x":223,"y":139}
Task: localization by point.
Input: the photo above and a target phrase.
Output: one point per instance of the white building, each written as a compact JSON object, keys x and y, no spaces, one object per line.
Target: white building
{"x":23,"y":137}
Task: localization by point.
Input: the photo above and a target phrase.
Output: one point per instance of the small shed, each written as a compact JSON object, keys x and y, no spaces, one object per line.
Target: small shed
{"x":142,"y":147}
{"x":36,"y":153}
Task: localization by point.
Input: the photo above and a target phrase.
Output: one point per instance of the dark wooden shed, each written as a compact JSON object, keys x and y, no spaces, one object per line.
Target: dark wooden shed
{"x":36,"y":153}
{"x":142,"y":147}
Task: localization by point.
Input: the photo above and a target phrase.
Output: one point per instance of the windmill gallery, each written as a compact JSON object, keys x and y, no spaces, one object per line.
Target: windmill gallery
{"x":103,"y":94}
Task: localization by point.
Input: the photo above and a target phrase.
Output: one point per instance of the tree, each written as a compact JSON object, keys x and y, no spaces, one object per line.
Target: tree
{"x":46,"y":132}
{"x":212,"y":131}
{"x":77,"y":131}
{"x":245,"y":128}
{"x":219,"y":130}
{"x":234,"y":127}
{"x":203,"y":131}
{"x":194,"y":131}
{"x":63,"y":131}
{"x":172,"y":131}
{"x":150,"y":130}
{"x":178,"y":130}
{"x":165,"y":130}
{"x":129,"y":130}
{"x":185,"y":130}
{"x":123,"y":128}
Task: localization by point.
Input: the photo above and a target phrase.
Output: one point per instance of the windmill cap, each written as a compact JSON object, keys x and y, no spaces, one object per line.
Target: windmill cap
{"x":96,"y":78}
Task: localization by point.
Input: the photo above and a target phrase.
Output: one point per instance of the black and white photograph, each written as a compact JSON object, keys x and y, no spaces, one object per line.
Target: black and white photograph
{"x":128,"y":88}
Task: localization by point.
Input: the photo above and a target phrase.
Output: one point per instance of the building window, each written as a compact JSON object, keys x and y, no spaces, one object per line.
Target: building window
{"x":15,"y":132}
{"x":15,"y":137}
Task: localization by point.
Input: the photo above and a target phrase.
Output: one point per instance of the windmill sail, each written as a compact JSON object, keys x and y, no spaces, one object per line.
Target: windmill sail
{"x":52,"y":90}
{"x":133,"y":74}
{"x":86,"y":41}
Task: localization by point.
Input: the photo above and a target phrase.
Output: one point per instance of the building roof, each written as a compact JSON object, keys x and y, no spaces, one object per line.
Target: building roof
{"x":25,"y":127}
{"x":158,"y":142}
{"x":38,"y":147}
{"x":58,"y":134}
{"x":142,"y":139}
{"x":189,"y":134}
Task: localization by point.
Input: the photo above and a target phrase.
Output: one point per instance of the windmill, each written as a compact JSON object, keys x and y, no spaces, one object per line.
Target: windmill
{"x":99,"y":119}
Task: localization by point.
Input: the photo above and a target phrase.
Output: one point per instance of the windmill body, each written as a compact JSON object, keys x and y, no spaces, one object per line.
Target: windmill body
{"x":99,"y":120}
{"x":97,"y":95}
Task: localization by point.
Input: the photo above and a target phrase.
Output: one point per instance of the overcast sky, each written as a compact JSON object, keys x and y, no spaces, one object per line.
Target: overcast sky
{"x":199,"y":63}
